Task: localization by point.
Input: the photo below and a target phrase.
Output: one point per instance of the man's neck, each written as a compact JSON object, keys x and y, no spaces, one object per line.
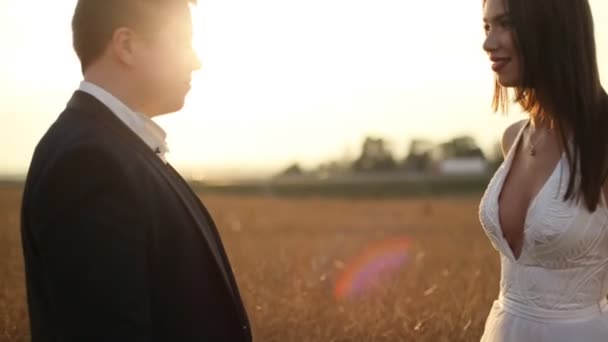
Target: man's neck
{"x":116,"y":86}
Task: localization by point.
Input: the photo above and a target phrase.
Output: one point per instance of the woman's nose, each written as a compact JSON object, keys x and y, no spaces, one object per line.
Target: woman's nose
{"x":491,"y":42}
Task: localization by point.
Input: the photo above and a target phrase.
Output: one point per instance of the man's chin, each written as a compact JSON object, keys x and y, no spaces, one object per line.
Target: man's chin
{"x":171,"y":108}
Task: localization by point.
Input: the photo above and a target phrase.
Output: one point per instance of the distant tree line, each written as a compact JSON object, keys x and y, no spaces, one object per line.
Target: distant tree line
{"x":376,"y":155}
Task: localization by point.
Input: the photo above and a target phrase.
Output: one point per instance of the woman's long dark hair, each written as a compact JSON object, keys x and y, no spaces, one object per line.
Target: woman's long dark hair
{"x":561,"y":83}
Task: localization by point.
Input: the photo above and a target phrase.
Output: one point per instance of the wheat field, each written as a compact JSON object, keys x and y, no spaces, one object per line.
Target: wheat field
{"x":287,"y":254}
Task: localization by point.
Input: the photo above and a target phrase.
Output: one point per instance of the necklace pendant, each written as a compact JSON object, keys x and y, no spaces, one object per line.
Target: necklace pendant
{"x":532,"y":152}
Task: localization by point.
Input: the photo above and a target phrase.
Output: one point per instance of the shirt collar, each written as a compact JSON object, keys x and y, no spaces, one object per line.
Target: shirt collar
{"x":142,"y":125}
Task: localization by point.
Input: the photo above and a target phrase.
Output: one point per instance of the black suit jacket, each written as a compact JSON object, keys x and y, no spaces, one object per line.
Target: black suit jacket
{"x":117,"y":247}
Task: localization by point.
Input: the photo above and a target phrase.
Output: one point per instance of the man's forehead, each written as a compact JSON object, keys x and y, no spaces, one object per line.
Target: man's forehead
{"x":175,"y":17}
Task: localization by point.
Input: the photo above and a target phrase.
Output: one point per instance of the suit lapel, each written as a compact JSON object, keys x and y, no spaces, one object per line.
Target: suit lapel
{"x":197,"y":209}
{"x":88,"y":104}
{"x":188,"y":201}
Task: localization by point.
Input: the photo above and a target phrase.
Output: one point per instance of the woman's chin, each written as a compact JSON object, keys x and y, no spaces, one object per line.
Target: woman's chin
{"x":508,"y":82}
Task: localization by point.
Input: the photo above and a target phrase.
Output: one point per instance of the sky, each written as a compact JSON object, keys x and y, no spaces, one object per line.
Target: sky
{"x":282,"y":81}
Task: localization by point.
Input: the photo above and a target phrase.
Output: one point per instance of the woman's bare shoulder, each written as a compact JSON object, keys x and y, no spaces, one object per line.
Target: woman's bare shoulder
{"x":509,"y":135}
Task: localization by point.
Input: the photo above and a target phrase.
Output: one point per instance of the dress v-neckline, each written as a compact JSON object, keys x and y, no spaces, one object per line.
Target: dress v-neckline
{"x":531,"y":205}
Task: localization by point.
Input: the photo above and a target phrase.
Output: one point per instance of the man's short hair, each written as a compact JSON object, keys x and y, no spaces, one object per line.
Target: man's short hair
{"x":95,"y":21}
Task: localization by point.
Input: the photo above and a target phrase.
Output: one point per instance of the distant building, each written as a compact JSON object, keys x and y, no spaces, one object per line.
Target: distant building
{"x":465,"y":166}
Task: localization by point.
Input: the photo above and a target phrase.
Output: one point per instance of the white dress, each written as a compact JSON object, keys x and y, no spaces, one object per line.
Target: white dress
{"x":556,"y":290}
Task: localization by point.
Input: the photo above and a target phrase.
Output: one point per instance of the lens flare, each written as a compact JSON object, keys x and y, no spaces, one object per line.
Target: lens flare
{"x":371,"y":266}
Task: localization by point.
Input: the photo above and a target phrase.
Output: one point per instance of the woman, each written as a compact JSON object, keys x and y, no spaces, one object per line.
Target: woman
{"x":545,"y":208}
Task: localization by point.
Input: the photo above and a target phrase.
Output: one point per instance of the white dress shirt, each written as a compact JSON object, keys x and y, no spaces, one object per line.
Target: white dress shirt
{"x":149,"y":131}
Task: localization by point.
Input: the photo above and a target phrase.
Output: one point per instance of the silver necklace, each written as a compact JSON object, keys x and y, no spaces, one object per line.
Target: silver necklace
{"x":532,"y":147}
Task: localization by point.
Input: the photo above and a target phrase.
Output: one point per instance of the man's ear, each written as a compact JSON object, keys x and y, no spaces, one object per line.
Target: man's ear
{"x":124,"y":45}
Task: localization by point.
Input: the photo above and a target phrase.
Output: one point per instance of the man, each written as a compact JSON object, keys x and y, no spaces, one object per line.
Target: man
{"x":117,"y":247}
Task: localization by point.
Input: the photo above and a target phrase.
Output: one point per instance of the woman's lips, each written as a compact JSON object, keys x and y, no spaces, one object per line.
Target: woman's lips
{"x":499,"y":63}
